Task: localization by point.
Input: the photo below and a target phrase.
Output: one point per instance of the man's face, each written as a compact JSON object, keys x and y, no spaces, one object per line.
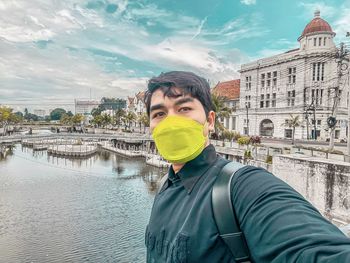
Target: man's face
{"x":162,"y":106}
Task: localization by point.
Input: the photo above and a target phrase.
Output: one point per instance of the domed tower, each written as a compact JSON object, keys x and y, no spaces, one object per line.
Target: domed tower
{"x":317,"y":35}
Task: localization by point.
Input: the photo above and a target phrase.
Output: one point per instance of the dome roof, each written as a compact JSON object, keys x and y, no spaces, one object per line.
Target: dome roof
{"x":317,"y":25}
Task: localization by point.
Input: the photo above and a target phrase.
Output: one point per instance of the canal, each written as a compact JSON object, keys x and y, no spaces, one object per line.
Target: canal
{"x":74,"y":210}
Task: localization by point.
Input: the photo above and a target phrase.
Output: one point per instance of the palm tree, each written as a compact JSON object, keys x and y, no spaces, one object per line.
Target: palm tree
{"x":145,"y":121}
{"x":119,"y":115}
{"x":221,"y":110}
{"x":292,"y":122}
{"x":106,"y":119}
{"x":129,"y":118}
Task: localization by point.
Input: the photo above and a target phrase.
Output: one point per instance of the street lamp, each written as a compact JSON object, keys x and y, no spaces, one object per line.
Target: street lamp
{"x":247,"y":111}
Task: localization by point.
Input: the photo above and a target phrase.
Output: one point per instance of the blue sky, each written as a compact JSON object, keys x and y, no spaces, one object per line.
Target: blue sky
{"x":54,"y":51}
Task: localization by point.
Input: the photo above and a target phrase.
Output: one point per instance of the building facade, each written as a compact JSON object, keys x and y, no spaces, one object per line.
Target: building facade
{"x":85,"y":106}
{"x":301,"y":82}
{"x":230,"y":91}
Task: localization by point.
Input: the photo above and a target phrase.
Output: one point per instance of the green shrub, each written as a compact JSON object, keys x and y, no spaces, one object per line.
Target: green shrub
{"x":245,"y":140}
{"x":269,"y":159}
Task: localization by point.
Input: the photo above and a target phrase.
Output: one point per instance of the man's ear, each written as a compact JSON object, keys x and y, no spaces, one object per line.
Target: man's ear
{"x":211,"y":121}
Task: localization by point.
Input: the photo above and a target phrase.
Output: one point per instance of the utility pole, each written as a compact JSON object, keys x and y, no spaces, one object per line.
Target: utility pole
{"x":332,"y":119}
{"x":312,"y":107}
{"x":348,"y":140}
{"x":247,"y":111}
{"x":307,"y":124}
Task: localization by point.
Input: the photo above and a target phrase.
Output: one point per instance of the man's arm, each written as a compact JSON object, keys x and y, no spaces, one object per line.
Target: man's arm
{"x":280,"y":225}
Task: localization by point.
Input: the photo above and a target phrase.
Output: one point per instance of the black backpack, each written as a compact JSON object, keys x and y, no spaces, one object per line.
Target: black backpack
{"x":225,"y":216}
{"x":224,"y":213}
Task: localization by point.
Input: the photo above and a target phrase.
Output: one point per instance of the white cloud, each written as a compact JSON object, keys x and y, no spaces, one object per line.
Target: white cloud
{"x":248,"y":2}
{"x":55,"y":71}
{"x":325,"y":9}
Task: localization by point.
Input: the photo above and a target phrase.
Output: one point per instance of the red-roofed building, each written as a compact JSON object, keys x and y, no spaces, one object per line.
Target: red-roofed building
{"x":229,"y":90}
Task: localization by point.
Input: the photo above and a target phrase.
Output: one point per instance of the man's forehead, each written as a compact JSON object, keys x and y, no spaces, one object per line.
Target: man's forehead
{"x":159,"y":97}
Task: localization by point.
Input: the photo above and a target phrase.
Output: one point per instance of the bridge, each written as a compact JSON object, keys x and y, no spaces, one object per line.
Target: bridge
{"x":9,"y":140}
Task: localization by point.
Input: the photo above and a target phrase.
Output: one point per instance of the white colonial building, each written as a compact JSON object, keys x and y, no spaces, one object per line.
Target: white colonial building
{"x":296,"y":82}
{"x":136,"y":104}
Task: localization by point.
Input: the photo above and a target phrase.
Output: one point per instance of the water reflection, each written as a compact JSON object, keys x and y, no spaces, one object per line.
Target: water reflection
{"x":54,"y":209}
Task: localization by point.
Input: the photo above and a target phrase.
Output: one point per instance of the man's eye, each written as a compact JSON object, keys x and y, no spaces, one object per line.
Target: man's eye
{"x":158,"y":114}
{"x":184,"y":109}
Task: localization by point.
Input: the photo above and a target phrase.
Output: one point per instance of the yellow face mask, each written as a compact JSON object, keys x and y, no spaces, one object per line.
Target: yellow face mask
{"x":179,"y":139}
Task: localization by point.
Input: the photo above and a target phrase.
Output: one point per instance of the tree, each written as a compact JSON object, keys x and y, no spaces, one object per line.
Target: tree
{"x":292,"y":122}
{"x":66,"y":119}
{"x":77,"y":119}
{"x":70,"y":114}
{"x":221,"y":110}
{"x":106,"y":119}
{"x":129,"y":118}
{"x":57,"y":113}
{"x":97,"y":120}
{"x":144,"y":119}
{"x":118,"y":117}
{"x":7,"y":117}
{"x":96,"y":111}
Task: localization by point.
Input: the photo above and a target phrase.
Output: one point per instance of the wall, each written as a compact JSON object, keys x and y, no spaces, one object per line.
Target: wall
{"x":325,"y":183}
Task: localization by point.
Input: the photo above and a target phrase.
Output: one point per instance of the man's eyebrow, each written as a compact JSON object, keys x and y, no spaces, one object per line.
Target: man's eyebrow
{"x":157,"y":107}
{"x":183,"y":100}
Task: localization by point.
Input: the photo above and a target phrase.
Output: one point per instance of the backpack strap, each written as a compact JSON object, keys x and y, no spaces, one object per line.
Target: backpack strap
{"x":224,"y":213}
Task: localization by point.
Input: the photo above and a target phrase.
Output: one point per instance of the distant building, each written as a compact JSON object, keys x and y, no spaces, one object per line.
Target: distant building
{"x":85,"y":106}
{"x":136,"y":104}
{"x":229,"y":90}
{"x":291,"y":83}
{"x":40,"y":113}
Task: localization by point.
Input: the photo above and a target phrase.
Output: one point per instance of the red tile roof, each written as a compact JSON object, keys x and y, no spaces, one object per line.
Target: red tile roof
{"x":317,"y":25}
{"x":228,"y":89}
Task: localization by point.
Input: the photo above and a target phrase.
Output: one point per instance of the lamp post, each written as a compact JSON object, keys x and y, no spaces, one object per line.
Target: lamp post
{"x":247,"y":111}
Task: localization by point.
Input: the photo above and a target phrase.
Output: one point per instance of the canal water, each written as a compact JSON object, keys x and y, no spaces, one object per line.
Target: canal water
{"x":74,"y":210}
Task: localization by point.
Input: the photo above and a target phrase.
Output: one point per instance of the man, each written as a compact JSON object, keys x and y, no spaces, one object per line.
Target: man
{"x":279,"y":225}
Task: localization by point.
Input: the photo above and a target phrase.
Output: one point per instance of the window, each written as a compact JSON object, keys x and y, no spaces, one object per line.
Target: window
{"x":318,"y":122}
{"x":337,"y":134}
{"x":233,"y":123}
{"x":267,"y":104}
{"x":227,"y":123}
{"x":247,"y":101}
{"x":317,"y":96}
{"x":263,"y":80}
{"x":248,"y":82}
{"x":273,"y":102}
{"x":320,"y":41}
{"x":274,"y":80}
{"x":262,"y":101}
{"x":292,"y":75}
{"x":324,"y":41}
{"x":288,"y":133}
{"x":318,"y":71}
{"x":315,"y":41}
{"x":291,"y":98}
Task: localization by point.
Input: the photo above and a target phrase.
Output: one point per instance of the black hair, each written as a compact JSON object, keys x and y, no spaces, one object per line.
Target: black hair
{"x":187,"y":82}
